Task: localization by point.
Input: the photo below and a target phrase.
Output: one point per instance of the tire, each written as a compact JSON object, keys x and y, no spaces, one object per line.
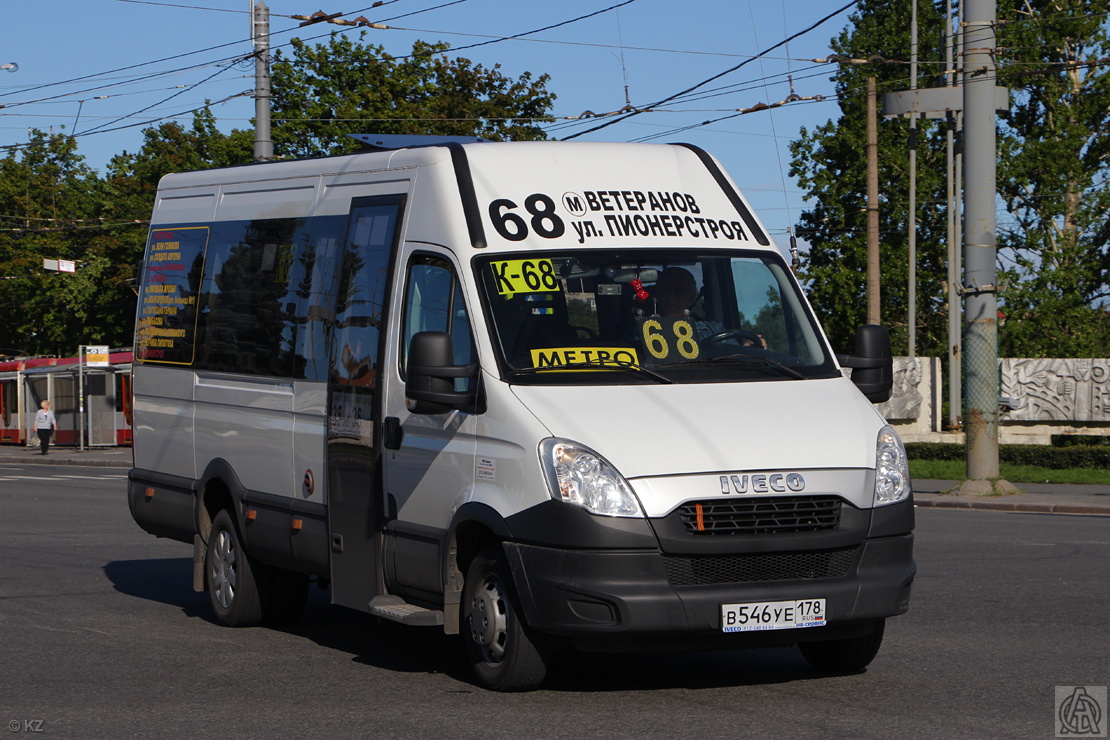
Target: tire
{"x":845,"y":656}
{"x":232,"y":588}
{"x":503,"y":653}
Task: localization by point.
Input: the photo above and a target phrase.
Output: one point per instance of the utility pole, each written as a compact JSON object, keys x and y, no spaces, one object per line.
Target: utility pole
{"x":873,"y":295}
{"x":980,"y":246}
{"x":260,"y":32}
{"x":911,"y":288}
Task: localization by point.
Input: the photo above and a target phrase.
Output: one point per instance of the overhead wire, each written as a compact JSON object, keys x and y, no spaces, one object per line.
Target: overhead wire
{"x":227,"y":60}
{"x":153,"y":105}
{"x":241,"y":57}
{"x":706,"y":81}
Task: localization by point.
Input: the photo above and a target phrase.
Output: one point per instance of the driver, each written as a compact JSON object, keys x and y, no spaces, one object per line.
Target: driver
{"x":675,"y":292}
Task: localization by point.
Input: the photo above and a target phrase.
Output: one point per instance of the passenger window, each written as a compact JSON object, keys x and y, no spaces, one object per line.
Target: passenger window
{"x":434,"y":302}
{"x":371,"y":233}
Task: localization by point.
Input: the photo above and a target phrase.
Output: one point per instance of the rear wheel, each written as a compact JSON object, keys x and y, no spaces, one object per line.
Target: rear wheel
{"x":852,"y":654}
{"x":245,"y":592}
{"x":232,"y":587}
{"x":504,"y":654}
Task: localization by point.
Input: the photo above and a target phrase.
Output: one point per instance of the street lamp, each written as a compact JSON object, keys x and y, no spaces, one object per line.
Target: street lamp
{"x":10,"y":66}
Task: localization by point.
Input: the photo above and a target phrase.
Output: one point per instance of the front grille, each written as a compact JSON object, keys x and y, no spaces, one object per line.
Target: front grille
{"x":775,"y":515}
{"x":709,"y":570}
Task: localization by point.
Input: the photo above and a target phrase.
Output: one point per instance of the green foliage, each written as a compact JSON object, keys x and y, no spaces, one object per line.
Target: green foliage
{"x":1044,"y":456}
{"x":1053,"y":160}
{"x":1053,"y":164}
{"x":1071,"y":440}
{"x":55,"y":207}
{"x":327,"y":91}
{"x":830,"y":163}
{"x":52,"y":205}
{"x":957,"y":470}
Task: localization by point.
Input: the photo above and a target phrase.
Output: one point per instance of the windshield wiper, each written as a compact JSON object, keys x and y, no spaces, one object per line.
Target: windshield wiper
{"x":741,"y":360}
{"x":627,"y":366}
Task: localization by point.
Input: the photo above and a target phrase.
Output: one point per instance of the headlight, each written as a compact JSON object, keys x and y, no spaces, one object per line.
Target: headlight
{"x":892,"y":469}
{"x":578,"y":475}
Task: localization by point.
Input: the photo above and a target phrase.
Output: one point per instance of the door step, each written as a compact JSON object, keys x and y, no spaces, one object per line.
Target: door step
{"x":396,"y":609}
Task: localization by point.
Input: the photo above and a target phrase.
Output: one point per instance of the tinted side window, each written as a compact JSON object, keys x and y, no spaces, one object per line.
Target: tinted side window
{"x":248,"y":305}
{"x":361,"y":297}
{"x":314,"y":283}
{"x":166,"y":323}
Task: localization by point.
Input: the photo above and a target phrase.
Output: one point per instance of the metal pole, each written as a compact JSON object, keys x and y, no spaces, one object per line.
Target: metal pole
{"x":873,"y":293}
{"x":81,"y":397}
{"x":263,"y":144}
{"x":911,"y":298}
{"x":980,"y":300}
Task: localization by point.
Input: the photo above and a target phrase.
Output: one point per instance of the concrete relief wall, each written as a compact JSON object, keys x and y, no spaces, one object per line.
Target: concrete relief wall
{"x":1068,"y":390}
{"x":1039,"y":398}
{"x":909,"y":394}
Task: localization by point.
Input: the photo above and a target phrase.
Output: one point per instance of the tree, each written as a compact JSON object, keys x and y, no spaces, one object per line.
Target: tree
{"x":830,"y":164}
{"x":327,"y":91}
{"x":54,"y":208}
{"x":1053,"y":161}
{"x":132,"y":178}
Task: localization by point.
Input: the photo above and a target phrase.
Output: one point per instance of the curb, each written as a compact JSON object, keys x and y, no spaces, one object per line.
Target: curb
{"x":33,"y":459}
{"x":1083,"y":509}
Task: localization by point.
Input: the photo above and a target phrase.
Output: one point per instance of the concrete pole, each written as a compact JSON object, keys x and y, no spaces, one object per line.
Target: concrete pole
{"x":980,"y":247}
{"x":263,"y":144}
{"x":873,"y":294}
{"x":911,"y":298}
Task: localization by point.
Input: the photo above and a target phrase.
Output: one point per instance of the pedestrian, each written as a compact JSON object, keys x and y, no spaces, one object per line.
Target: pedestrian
{"x":45,"y":425}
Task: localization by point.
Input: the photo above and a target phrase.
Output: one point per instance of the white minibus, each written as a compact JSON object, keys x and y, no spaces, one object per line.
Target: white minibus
{"x":541,"y":395}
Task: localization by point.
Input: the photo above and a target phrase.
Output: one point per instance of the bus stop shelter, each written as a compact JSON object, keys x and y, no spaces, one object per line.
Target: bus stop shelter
{"x":61,"y":385}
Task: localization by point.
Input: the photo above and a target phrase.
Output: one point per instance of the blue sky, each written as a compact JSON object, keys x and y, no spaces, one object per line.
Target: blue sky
{"x":655,"y":47}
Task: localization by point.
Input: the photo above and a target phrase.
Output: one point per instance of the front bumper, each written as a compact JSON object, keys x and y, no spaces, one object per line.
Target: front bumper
{"x":601,"y":596}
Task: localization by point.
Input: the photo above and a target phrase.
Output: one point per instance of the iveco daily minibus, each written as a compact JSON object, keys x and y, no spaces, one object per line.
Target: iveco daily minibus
{"x":537,"y":394}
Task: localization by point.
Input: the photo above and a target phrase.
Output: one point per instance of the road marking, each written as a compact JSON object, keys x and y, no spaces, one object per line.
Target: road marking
{"x":90,"y":477}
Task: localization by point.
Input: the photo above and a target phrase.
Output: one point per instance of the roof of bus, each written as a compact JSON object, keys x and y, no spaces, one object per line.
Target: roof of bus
{"x":545,"y":193}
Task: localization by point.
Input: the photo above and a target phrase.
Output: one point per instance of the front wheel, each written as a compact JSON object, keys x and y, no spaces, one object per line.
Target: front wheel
{"x":844,"y":656}
{"x":502,"y":652}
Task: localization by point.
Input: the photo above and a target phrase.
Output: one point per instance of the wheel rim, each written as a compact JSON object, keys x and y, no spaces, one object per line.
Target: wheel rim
{"x":223,"y":569}
{"x":489,"y":619}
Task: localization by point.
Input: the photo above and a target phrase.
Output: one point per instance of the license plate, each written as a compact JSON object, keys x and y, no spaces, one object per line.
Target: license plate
{"x":772,"y":615}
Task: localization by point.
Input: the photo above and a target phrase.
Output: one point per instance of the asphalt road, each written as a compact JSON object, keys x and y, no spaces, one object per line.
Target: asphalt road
{"x":101,"y":635}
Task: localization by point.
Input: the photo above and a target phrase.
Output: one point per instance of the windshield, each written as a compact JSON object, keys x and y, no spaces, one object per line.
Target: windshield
{"x":629,"y":316}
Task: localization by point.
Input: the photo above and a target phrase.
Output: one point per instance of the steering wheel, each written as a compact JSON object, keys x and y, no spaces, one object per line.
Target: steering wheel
{"x":721,"y":336}
{"x":590,"y":333}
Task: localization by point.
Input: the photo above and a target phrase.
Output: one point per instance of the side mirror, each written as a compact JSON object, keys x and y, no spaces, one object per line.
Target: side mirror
{"x":430,"y":387}
{"x":872,"y":364}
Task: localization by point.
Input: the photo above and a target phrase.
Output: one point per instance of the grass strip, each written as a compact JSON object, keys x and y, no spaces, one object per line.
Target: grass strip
{"x":957,"y":470}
